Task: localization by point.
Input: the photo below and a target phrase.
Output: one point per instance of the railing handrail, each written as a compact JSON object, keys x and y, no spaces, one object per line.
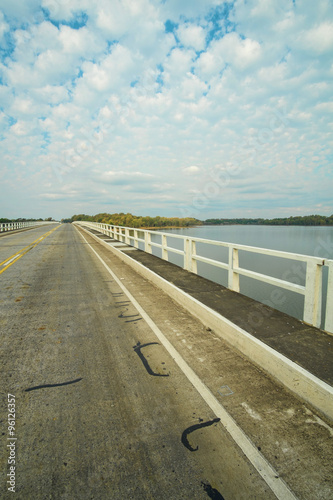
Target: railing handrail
{"x":311,"y":291}
{"x":10,"y":226}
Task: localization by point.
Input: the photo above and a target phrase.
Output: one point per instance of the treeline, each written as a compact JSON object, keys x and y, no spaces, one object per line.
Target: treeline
{"x":6,"y":221}
{"x":307,"y":220}
{"x":129,"y":220}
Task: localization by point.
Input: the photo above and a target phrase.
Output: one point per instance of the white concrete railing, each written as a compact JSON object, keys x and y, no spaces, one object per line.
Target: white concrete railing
{"x":11,"y":226}
{"x":312,"y":290}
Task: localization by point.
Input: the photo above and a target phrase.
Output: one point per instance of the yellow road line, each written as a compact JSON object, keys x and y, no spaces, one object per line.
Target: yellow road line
{"x":14,"y":258}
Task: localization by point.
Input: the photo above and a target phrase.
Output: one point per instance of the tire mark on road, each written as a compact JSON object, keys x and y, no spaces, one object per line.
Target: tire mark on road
{"x":212,"y":492}
{"x":52,"y":385}
{"x":193,"y":428}
{"x":137,"y":348}
{"x":121,"y":315}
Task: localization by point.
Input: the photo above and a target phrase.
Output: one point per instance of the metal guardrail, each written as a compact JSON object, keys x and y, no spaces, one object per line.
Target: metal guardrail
{"x":312,"y":290}
{"x":12,"y":226}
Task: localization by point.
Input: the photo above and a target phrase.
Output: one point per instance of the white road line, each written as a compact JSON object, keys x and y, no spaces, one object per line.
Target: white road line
{"x":264,"y":468}
{"x":9,"y":261}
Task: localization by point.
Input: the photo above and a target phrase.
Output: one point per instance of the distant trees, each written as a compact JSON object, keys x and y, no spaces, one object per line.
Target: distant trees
{"x":306,"y":220}
{"x":5,"y":221}
{"x":233,"y":221}
{"x":129,"y":220}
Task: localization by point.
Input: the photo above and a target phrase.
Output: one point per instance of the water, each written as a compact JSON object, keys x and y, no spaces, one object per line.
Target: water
{"x":314,"y":241}
{"x":304,"y":240}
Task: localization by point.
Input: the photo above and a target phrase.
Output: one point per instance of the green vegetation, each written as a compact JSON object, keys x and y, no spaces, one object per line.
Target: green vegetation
{"x":307,"y":220}
{"x":6,"y":221}
{"x":129,"y":220}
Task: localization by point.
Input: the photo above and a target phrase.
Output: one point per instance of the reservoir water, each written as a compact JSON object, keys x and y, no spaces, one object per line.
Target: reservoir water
{"x":315,"y":241}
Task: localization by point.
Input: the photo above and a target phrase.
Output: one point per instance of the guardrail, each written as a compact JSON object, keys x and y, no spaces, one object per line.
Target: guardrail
{"x":11,"y":226}
{"x":311,"y":290}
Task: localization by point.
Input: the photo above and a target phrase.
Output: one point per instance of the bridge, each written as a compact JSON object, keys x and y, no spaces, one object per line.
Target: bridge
{"x":132,"y":377}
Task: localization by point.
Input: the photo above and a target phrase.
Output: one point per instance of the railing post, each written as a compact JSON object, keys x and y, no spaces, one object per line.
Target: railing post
{"x":136,"y":242}
{"x":164,"y":245}
{"x":328,"y":326}
{"x":187,"y":254}
{"x":148,"y":242}
{"x":190,"y":263}
{"x":127,"y":236}
{"x":233,"y":277}
{"x":193,"y":262}
{"x":313,"y":292}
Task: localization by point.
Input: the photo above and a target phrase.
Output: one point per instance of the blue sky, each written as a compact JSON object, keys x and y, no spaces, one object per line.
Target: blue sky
{"x":202,"y":108}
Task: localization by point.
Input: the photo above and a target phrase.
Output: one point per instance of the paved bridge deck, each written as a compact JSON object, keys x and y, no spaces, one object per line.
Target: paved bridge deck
{"x":309,"y":347}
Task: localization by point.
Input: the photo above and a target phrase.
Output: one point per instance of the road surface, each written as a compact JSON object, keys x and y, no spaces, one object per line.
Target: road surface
{"x":105,"y":409}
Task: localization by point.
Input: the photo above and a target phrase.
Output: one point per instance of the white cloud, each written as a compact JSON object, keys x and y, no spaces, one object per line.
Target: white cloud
{"x":116,"y":68}
{"x":177,"y":64}
{"x":81,"y":42}
{"x":318,"y":39}
{"x":235,"y":51}
{"x":50,"y":94}
{"x":192,"y":36}
{"x":20,"y":128}
{"x":123,"y":177}
{"x":193,"y":169}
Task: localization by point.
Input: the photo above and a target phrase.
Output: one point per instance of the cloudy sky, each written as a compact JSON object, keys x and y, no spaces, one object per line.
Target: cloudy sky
{"x":203,"y":108}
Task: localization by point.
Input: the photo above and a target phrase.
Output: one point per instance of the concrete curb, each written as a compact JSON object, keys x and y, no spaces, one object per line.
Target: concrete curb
{"x":294,"y":377}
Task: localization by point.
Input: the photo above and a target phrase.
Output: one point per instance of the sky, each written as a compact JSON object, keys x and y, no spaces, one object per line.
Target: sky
{"x":177,"y":108}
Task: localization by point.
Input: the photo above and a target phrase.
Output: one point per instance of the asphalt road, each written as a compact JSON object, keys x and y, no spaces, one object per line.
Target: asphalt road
{"x":103,"y":411}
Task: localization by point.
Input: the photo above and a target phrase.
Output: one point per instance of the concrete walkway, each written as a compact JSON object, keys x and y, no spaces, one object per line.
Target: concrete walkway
{"x":307,"y":346}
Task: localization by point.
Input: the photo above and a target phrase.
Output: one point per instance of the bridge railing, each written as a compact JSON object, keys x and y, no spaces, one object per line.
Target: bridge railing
{"x":311,"y":290}
{"x":12,"y":226}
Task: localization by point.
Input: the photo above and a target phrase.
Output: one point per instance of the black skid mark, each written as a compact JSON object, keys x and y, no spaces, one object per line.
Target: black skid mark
{"x":194,"y":428}
{"x":212,"y":492}
{"x":121,"y":315}
{"x":137,"y":348}
{"x":52,"y":385}
{"x":124,"y":303}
